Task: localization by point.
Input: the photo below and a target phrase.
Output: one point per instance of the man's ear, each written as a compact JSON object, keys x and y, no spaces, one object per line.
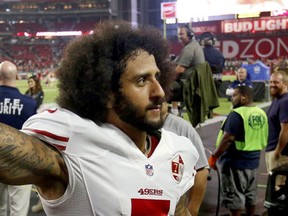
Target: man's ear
{"x":244,"y":98}
{"x":110,"y":101}
{"x":286,"y":85}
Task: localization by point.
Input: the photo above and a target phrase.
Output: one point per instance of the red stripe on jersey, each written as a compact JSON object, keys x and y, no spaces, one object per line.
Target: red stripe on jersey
{"x":59,"y":147}
{"x":48,"y":134}
{"x":154,"y":143}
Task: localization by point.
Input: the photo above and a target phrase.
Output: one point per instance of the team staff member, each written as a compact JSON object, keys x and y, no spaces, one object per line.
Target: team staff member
{"x":184,"y":128}
{"x":245,"y":135}
{"x":15,"y":109}
{"x":241,"y":80}
{"x":191,"y":55}
{"x":120,"y":69}
{"x":214,"y":57}
{"x":277,"y":148}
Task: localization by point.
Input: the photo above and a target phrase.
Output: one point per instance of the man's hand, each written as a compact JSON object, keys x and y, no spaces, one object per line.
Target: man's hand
{"x":277,"y":154}
{"x":212,"y":162}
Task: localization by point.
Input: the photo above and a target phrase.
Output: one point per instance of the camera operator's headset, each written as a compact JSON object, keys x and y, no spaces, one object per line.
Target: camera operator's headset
{"x":205,"y":36}
{"x":190,"y":33}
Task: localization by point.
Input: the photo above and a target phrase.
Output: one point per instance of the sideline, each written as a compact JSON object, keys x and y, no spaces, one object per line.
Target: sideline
{"x":217,"y":119}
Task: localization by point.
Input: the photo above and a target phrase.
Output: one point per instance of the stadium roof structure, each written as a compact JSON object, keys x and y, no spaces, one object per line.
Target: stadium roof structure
{"x":45,"y":8}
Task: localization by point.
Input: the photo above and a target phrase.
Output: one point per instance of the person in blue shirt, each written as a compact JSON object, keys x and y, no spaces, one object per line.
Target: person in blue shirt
{"x":242,"y":137}
{"x":241,"y":80}
{"x":15,"y":109}
{"x":277,"y":148}
{"x":213,"y":56}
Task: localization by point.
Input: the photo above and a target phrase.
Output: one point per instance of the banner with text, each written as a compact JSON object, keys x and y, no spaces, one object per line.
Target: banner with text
{"x":255,"y":48}
{"x":255,"y":25}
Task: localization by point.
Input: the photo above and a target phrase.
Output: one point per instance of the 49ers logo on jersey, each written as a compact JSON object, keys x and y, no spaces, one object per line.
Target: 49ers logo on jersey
{"x":177,"y":168}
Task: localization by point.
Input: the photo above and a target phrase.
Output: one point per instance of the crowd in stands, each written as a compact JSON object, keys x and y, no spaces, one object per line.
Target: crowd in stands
{"x":33,"y":54}
{"x":32,"y":58}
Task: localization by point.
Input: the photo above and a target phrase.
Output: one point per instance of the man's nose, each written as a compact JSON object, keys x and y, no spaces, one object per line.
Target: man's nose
{"x":157,"y":90}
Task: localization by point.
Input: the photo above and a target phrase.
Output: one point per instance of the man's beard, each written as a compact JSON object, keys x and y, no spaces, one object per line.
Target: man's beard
{"x":129,"y":113}
{"x":276,"y":93}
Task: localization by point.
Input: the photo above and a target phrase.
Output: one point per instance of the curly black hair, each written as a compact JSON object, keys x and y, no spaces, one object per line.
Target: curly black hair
{"x":92,"y":65}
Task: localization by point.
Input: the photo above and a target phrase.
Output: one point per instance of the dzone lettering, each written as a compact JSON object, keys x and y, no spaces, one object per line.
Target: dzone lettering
{"x":255,"y":48}
{"x":147,"y":191}
{"x":11,"y":107}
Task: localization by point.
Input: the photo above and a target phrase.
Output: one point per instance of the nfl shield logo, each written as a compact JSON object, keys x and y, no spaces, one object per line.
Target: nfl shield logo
{"x":177,"y":168}
{"x":149,"y":170}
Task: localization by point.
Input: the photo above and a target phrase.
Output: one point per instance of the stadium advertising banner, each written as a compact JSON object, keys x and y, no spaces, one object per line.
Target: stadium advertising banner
{"x":211,"y":26}
{"x":255,"y":48}
{"x":263,"y":24}
{"x":248,"y":47}
{"x":251,"y":46}
{"x":252,"y":38}
{"x":168,"y":10}
{"x":255,"y":25}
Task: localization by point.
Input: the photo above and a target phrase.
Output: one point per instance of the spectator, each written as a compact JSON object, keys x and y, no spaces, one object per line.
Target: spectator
{"x":15,"y":109}
{"x":115,"y":158}
{"x":277,"y":149}
{"x":241,"y":80}
{"x":242,"y":137}
{"x":191,"y":55}
{"x":35,"y":90}
{"x":184,"y":128}
{"x":214,"y":57}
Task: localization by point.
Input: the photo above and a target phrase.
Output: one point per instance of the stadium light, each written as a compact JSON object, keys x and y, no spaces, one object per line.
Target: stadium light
{"x":58,"y":33}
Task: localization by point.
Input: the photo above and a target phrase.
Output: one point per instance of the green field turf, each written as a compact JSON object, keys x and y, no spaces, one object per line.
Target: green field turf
{"x":229,"y":77}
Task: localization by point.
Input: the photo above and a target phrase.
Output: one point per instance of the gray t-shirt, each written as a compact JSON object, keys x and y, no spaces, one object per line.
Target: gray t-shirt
{"x":182,"y":127}
{"x":191,"y":55}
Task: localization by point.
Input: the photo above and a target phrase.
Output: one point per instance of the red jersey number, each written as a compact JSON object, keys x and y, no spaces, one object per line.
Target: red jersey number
{"x":145,"y":207}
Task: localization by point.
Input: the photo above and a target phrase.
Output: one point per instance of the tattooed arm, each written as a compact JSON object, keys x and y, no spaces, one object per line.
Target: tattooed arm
{"x":27,"y":160}
{"x":181,"y":208}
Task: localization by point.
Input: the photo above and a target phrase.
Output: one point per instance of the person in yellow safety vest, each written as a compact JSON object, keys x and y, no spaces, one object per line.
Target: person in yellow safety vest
{"x":243,"y":135}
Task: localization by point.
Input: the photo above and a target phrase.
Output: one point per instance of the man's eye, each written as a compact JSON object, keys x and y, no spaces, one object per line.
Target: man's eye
{"x":142,"y":80}
{"x":274,"y":82}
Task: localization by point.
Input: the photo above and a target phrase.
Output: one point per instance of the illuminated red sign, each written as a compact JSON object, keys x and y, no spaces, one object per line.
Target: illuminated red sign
{"x":255,"y":25}
{"x":168,"y":10}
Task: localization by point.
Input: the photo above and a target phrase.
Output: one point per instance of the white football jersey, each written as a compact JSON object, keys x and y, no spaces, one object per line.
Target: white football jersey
{"x":108,"y":174}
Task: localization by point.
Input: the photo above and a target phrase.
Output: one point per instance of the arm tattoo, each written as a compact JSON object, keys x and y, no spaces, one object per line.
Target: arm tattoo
{"x":181,"y":206}
{"x":15,"y":161}
{"x":21,"y":155}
